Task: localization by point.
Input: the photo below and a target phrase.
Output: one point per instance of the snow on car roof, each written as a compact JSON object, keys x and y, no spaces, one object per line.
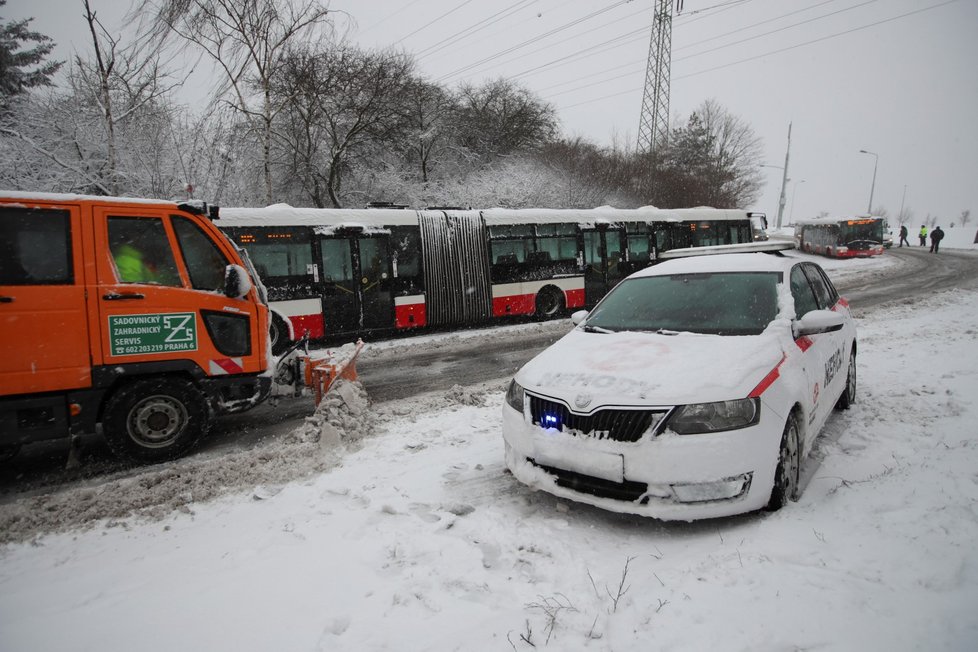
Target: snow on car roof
{"x":740,"y":262}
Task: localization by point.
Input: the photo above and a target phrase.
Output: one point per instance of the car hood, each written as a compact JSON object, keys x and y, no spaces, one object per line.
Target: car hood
{"x":631,"y":368}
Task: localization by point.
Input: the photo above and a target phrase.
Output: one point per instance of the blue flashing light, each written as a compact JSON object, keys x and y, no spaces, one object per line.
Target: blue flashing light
{"x":550,"y":421}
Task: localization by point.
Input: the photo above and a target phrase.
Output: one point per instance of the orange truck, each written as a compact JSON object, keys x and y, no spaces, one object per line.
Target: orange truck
{"x":138,"y":316}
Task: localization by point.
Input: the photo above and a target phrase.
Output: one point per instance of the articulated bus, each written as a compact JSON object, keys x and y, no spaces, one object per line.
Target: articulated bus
{"x":343,"y":272}
{"x":841,"y":238}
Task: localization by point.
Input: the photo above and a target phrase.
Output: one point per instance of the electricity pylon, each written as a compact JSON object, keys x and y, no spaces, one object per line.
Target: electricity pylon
{"x":653,"y":128}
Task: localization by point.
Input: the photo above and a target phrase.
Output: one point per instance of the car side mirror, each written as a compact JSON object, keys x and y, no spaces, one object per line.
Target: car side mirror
{"x":237,"y":283}
{"x":578,"y":317}
{"x":818,"y":321}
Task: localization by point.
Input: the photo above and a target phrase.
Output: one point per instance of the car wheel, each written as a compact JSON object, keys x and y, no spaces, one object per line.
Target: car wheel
{"x":279,"y":334}
{"x":549,"y":303}
{"x":154,"y":420}
{"x":849,"y":393}
{"x":788,"y":471}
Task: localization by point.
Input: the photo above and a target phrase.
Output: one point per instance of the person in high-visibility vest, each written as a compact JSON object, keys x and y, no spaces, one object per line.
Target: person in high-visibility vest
{"x":132,"y":269}
{"x":923,"y":235}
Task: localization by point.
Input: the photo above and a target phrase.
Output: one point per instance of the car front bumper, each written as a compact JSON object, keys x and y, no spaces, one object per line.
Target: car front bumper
{"x":668,"y":476}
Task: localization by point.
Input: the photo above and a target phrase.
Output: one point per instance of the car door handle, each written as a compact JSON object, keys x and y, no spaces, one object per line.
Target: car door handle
{"x":115,"y":296}
{"x":6,"y":299}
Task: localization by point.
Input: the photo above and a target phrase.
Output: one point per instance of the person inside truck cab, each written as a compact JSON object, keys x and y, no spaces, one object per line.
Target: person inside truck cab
{"x":141,"y":251}
{"x":132,"y":268}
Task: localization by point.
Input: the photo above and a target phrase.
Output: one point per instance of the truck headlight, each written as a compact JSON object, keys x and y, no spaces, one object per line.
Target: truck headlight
{"x":514,"y":396}
{"x":697,"y":418}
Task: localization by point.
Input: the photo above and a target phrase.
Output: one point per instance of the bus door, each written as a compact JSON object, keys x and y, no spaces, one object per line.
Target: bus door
{"x":356,"y":283}
{"x":602,"y":261}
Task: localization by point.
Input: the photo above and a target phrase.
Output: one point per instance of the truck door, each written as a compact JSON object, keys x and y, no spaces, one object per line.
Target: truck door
{"x":160,"y":295}
{"x":43,"y":320}
{"x":602,"y":258}
{"x":356,"y":285}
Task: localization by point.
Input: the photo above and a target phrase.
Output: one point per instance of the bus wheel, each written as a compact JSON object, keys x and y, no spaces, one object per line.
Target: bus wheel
{"x":279,"y":335}
{"x":549,"y":303}
{"x":153,"y":420}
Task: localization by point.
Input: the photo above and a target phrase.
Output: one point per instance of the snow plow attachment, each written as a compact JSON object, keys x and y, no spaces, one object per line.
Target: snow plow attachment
{"x":322,"y":372}
{"x":298,"y":370}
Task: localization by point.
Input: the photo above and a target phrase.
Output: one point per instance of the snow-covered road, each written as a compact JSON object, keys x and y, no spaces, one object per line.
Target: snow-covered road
{"x":400,"y":530}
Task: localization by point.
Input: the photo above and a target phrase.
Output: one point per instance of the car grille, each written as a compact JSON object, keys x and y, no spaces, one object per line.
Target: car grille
{"x":627,"y":491}
{"x":615,"y":424}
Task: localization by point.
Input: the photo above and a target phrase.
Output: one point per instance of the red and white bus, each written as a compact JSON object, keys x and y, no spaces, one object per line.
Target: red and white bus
{"x":343,"y":272}
{"x":848,"y":237}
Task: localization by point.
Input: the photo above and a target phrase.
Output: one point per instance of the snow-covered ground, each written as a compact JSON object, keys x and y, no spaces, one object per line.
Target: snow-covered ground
{"x":406,"y":533}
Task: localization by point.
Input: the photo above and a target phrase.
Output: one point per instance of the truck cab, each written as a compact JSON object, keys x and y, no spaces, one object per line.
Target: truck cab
{"x":135,"y":317}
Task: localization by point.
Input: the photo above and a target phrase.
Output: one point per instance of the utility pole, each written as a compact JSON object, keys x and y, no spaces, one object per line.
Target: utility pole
{"x":784,"y":178}
{"x":653,"y":128}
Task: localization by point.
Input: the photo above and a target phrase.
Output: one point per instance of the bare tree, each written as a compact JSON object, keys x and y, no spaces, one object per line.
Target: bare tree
{"x":430,"y":111}
{"x":501,"y":117}
{"x":965,"y":217}
{"x":123,"y":80}
{"x":248,"y":40}
{"x":341,"y":104}
{"x":735,"y":155}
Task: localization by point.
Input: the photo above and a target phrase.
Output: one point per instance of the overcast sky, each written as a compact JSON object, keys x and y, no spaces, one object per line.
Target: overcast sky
{"x":895,"y":77}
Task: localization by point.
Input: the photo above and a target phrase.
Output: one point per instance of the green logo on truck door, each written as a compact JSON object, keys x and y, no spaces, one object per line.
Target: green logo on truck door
{"x":162,"y":333}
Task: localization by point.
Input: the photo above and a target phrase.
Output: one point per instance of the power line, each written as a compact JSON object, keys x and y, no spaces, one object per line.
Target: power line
{"x":778,"y":51}
{"x":430,"y":23}
{"x":472,"y":29}
{"x":532,"y":40}
{"x":636,"y":35}
{"x":756,"y":36}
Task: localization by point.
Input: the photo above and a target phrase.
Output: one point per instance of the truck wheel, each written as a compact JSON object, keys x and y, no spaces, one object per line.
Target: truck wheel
{"x":279,"y":334}
{"x":788,"y":471}
{"x":154,"y":420}
{"x":549,"y":303}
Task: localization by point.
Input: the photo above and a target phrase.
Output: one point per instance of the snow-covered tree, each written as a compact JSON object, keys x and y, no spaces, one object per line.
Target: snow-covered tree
{"x":23,"y":67}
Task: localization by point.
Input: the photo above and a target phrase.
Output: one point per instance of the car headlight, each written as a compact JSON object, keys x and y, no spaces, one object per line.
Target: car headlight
{"x":699,"y":418}
{"x":514,"y":396}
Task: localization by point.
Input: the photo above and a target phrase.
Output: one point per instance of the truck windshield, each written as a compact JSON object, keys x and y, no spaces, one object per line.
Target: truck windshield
{"x":728,"y":303}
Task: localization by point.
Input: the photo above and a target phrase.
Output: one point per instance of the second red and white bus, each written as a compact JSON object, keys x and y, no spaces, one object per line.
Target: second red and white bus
{"x":342,"y":272}
{"x":848,"y":237}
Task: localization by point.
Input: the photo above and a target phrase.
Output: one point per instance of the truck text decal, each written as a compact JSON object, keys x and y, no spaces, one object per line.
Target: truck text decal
{"x":154,"y":333}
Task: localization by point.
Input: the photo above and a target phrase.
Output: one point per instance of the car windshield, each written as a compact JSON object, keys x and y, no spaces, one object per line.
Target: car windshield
{"x":727,"y":303}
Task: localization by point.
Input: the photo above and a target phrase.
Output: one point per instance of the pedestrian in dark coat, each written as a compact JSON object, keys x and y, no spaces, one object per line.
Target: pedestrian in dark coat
{"x":903,"y":235}
{"x":935,"y":239}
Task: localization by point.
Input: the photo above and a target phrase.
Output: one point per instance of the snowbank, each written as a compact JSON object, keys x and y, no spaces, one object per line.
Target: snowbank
{"x":419,"y":540}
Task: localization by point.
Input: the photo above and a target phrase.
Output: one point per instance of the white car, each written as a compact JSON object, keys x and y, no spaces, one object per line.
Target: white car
{"x":694,"y":389}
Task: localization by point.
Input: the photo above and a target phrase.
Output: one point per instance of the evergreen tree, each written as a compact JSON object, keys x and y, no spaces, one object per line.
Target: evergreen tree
{"x":23,"y":68}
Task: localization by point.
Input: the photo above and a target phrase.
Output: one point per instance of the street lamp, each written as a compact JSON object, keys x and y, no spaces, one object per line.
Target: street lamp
{"x":794,"y":191}
{"x":872,"y":187}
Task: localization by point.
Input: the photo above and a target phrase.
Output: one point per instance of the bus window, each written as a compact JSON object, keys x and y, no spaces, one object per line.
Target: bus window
{"x":557,"y":241}
{"x":406,"y":248}
{"x":279,"y":253}
{"x":337,"y":265}
{"x":510,"y":251}
{"x":638,"y":243}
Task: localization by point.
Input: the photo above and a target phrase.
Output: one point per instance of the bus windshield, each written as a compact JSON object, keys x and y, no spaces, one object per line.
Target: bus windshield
{"x":861,"y":230}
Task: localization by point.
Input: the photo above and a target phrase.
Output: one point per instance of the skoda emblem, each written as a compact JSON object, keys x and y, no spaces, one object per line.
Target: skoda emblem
{"x":581,"y":401}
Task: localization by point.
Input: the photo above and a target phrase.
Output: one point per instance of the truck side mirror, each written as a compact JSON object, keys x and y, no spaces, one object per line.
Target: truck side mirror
{"x":237,"y":283}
